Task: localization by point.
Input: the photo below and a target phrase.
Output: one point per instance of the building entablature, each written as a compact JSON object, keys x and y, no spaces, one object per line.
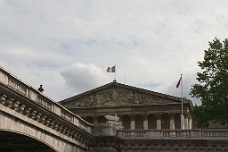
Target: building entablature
{"x":129,"y":110}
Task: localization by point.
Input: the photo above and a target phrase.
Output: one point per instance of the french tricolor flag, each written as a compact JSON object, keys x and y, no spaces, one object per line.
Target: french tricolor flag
{"x":179,"y":82}
{"x":111,"y":69}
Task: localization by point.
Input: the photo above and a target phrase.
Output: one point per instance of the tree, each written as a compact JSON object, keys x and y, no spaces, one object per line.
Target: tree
{"x":212,"y":89}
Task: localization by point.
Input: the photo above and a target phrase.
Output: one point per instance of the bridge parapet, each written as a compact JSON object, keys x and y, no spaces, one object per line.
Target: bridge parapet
{"x":24,"y":89}
{"x":28,"y":101}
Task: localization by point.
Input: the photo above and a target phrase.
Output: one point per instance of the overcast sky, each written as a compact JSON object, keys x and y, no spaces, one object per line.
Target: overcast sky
{"x":67,"y":45}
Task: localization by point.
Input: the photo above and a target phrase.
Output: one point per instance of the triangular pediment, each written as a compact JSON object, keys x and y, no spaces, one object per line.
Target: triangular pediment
{"x":117,"y":94}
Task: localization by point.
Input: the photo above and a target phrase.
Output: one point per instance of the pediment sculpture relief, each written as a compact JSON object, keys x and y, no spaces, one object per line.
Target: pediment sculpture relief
{"x":117,"y":96}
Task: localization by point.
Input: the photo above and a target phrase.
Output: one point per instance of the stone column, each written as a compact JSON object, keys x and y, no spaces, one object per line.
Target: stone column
{"x":158,"y":120}
{"x":172,"y":121}
{"x":145,"y":122}
{"x":186,"y":121}
{"x":120,"y":120}
{"x":132,"y":122}
{"x":190,"y":123}
{"x":95,"y":121}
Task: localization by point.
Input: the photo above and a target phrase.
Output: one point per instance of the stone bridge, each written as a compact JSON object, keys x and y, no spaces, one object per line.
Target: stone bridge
{"x":29,"y":120}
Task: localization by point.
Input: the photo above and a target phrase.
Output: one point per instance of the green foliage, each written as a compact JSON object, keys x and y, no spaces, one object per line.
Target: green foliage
{"x":212,"y":89}
{"x":197,"y":112}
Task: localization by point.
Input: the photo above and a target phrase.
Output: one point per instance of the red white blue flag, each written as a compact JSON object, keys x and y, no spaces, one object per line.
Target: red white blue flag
{"x":111,"y":69}
{"x":179,"y":82}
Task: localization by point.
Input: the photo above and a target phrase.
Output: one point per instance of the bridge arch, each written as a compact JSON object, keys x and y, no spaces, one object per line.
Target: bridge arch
{"x":12,"y":121}
{"x":14,"y":125}
{"x":14,"y":141}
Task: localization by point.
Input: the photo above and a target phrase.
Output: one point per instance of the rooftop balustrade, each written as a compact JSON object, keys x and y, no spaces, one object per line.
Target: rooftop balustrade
{"x":201,"y":134}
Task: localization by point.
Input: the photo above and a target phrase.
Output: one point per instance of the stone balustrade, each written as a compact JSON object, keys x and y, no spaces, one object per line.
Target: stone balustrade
{"x":105,"y":129}
{"x":201,"y":134}
{"x":48,"y":112}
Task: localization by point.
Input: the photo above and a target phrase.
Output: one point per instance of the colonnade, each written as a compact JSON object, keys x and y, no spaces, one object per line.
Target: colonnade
{"x":149,"y":121}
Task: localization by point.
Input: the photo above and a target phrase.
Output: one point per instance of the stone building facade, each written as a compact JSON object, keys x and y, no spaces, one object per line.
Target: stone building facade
{"x":124,"y":118}
{"x":137,"y":108}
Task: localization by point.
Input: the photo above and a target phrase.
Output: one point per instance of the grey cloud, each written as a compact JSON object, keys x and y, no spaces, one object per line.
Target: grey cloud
{"x":151,"y":42}
{"x":81,"y":77}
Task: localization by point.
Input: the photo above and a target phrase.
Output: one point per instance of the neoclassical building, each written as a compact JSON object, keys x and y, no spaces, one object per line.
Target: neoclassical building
{"x":112,"y":118}
{"x":136,"y":108}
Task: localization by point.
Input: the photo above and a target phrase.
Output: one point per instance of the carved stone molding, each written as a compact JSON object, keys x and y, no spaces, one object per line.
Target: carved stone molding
{"x":117,"y":96}
{"x":71,"y":134}
{"x":78,"y":137}
{"x":9,"y":102}
{"x":3,"y":99}
{"x":21,"y":108}
{"x":43,"y":119}
{"x":16,"y":105}
{"x":38,"y":117}
{"x":60,"y":128}
{"x":75,"y":135}
{"x":52,"y":124}
{"x":48,"y":120}
{"x":33,"y":114}
{"x":64,"y":130}
{"x":27,"y":110}
{"x":56,"y":126}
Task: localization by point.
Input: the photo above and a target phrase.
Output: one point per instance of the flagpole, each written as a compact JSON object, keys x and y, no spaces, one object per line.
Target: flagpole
{"x":115,"y":72}
{"x":182,"y":106}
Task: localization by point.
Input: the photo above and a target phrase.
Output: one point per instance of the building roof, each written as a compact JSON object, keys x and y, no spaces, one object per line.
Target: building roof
{"x":114,"y":94}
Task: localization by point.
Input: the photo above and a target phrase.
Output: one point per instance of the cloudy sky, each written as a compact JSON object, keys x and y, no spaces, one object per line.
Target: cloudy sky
{"x":67,"y":45}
